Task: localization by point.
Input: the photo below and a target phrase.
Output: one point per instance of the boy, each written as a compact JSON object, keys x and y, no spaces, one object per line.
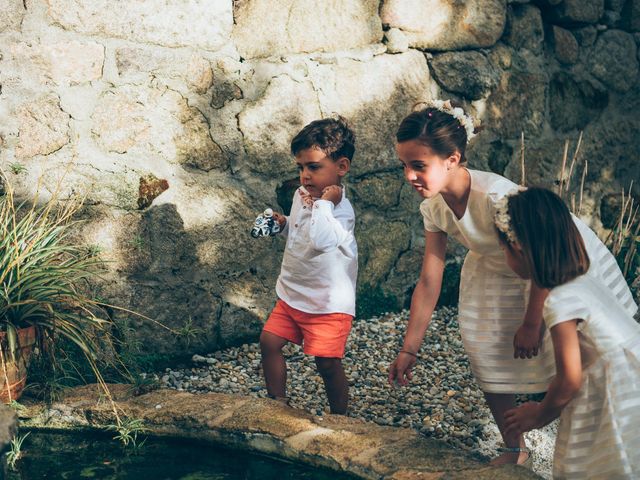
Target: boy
{"x":316,"y":286}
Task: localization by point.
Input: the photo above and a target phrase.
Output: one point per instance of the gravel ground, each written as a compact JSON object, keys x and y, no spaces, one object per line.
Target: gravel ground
{"x":443,"y":400}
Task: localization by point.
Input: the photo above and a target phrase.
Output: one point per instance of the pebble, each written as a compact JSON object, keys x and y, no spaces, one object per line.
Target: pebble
{"x":442,"y":400}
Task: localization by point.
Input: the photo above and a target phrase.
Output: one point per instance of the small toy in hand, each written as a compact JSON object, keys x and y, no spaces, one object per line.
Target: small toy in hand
{"x":265,"y":225}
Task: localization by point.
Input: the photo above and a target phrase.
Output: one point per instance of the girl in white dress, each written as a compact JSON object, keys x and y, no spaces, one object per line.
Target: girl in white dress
{"x":596,"y":390}
{"x":500,"y":315}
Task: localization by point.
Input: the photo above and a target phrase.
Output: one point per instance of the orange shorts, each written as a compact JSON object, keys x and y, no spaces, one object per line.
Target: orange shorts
{"x":324,"y":334}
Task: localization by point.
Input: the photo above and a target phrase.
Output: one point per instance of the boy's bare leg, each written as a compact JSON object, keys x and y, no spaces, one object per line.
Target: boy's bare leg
{"x":499,"y":403}
{"x":273,"y":364}
{"x":335,"y":383}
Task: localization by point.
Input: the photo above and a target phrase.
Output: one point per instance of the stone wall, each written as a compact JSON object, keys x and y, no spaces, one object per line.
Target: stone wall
{"x":174,"y":118}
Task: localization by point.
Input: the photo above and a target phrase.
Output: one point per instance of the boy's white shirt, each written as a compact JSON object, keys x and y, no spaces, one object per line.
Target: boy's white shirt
{"x":320,"y":262}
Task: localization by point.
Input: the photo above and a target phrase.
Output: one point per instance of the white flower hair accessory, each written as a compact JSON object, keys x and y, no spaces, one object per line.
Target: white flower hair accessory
{"x":456,"y":112}
{"x":502,"y":218}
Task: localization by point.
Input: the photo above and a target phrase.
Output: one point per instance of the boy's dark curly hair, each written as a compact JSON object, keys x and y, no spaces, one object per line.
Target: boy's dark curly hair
{"x":331,"y":135}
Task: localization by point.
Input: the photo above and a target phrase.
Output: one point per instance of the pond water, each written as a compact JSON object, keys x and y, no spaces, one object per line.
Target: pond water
{"x":91,"y":456}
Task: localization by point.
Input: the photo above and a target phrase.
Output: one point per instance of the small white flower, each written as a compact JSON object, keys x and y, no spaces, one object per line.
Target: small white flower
{"x":457,"y":113}
{"x":502,"y":219}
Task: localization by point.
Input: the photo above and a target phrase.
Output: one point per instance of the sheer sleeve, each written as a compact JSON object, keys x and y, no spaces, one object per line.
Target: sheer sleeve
{"x":427,"y":217}
{"x":563,"y":306}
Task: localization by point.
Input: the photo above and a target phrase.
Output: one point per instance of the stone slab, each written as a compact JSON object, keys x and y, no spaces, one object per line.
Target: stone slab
{"x":155,"y":121}
{"x":269,"y":124}
{"x":173,"y":23}
{"x":578,"y":11}
{"x":12,"y":13}
{"x":43,"y":127}
{"x":265,"y":28}
{"x":363,"y":449}
{"x":61,"y":63}
{"x":614,"y":60}
{"x":470,"y":74}
{"x":445,"y":25}
{"x":374,"y":96}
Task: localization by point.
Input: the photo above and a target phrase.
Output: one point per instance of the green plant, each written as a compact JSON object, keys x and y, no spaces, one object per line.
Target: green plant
{"x":127,"y":431}
{"x":188,"y":332}
{"x":137,"y":242}
{"x":43,"y":279}
{"x":624,"y":237}
{"x":50,"y":375}
{"x":94,"y":250}
{"x":46,"y":283}
{"x":15,"y":450}
{"x":142,"y":383}
{"x":16,"y":406}
{"x":17,"y":168}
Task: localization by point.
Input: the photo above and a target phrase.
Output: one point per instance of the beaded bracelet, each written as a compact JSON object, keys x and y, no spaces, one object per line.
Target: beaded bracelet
{"x":410,"y":353}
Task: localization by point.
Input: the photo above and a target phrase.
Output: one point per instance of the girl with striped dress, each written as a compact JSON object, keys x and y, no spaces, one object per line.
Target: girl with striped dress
{"x":596,"y":390}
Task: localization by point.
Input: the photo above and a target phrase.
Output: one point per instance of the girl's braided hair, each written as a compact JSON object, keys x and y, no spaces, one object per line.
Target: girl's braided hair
{"x":437,"y":129}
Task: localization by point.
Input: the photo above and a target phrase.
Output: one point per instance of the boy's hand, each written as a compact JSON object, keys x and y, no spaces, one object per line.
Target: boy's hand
{"x":527,"y":340}
{"x":281,"y":219}
{"x":332,"y":193}
{"x":400,"y":369}
{"x":307,"y":199}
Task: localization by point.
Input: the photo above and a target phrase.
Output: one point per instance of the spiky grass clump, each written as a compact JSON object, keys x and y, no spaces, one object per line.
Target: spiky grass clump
{"x":44,"y":281}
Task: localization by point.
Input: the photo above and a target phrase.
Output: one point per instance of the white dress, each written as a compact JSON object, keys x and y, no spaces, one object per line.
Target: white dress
{"x":493,"y":299}
{"x":599,"y":430}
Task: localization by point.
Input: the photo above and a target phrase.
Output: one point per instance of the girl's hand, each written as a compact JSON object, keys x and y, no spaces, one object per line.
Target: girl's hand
{"x":400,"y":369}
{"x":527,"y":416}
{"x":527,"y":340}
{"x":281,"y":219}
{"x":332,"y":193}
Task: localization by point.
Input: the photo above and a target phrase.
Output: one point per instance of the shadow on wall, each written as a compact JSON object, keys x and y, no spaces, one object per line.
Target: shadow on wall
{"x":164,"y":274}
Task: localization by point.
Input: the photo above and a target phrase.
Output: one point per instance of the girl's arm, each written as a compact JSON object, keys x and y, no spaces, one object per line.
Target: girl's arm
{"x":528,"y":338}
{"x":562,"y":388}
{"x":423,"y":301}
{"x":568,"y":379}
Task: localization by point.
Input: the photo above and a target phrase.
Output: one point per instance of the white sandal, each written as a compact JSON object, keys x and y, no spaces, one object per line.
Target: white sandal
{"x":528,"y":463}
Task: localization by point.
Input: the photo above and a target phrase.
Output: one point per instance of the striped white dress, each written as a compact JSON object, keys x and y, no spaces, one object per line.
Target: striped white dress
{"x":599,"y":430}
{"x":493,"y":298}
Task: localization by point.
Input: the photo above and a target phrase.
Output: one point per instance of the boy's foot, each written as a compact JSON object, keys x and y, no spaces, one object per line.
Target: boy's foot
{"x":284,"y":400}
{"x":519,"y":456}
